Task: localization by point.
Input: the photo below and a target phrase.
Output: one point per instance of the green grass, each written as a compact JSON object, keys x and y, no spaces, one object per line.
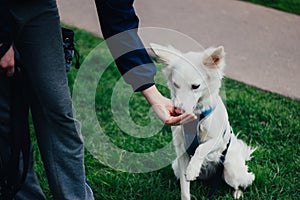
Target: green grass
{"x":291,"y":6}
{"x":269,"y":121}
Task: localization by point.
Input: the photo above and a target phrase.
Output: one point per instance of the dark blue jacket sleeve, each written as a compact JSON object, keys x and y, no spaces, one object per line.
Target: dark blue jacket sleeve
{"x":118,"y":19}
{"x":6,"y":27}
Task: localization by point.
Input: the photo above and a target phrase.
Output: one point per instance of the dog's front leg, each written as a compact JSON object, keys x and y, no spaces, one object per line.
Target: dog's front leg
{"x":183,"y":162}
{"x":194,"y":167}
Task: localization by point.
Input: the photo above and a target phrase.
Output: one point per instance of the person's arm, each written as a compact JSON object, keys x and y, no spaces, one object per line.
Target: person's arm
{"x":119,"y":25}
{"x":6,"y":37}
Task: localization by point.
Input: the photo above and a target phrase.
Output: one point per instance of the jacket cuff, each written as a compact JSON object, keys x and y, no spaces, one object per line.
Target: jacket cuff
{"x":4,"y":48}
{"x":144,"y":87}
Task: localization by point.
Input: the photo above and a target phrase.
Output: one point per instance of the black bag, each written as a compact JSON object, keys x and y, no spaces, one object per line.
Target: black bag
{"x":69,"y":49}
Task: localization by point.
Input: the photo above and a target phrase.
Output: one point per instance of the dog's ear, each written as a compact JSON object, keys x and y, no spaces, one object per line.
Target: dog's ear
{"x":165,"y":54}
{"x":214,"y":57}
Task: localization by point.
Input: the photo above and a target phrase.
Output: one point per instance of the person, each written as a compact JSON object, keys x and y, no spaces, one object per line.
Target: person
{"x":33,"y":27}
{"x":37,"y":37}
{"x":119,"y":25}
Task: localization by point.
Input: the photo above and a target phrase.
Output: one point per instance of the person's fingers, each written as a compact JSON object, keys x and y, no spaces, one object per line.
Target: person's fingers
{"x":178,"y":111}
{"x":181,"y":119}
{"x":8,"y":69}
{"x":188,"y":118}
{"x":173,"y":121}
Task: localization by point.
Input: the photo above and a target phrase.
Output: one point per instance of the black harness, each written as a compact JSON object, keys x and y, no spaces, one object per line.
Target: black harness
{"x":191,"y":129}
{"x":192,"y":141}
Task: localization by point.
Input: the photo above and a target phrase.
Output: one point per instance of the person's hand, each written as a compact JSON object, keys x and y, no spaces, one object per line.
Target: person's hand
{"x":7,"y":62}
{"x":164,"y":108}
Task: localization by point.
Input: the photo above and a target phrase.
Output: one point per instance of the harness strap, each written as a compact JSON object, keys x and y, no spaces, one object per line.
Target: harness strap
{"x":191,"y":130}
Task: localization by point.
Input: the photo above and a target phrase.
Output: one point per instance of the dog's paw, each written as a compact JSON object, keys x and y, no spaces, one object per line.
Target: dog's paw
{"x":237,"y":194}
{"x":191,"y":173}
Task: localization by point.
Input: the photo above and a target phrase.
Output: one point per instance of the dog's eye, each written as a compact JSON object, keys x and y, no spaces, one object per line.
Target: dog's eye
{"x":175,"y":85}
{"x":194,"y":86}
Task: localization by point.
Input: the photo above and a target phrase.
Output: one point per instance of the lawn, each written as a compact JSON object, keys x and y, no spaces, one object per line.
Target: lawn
{"x":265,"y":120}
{"x":292,"y":6}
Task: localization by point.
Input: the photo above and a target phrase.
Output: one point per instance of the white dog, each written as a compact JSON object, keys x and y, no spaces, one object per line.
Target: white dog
{"x":202,"y":146}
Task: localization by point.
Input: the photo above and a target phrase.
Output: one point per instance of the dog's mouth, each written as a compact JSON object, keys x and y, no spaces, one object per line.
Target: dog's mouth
{"x":197,"y":109}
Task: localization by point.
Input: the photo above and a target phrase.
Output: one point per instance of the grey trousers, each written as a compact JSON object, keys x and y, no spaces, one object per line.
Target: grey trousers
{"x":39,"y":43}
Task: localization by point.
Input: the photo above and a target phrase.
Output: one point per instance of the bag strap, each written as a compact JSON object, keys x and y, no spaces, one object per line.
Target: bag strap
{"x":21,"y":133}
{"x":15,"y":177}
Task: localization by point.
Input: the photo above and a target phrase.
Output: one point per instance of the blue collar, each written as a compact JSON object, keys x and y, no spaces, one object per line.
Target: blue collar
{"x":202,"y":115}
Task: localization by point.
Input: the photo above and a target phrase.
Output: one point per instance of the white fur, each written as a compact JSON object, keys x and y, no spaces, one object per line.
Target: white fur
{"x":185,"y":71}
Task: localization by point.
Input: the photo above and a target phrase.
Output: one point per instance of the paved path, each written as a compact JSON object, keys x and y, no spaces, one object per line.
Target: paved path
{"x":262,"y":44}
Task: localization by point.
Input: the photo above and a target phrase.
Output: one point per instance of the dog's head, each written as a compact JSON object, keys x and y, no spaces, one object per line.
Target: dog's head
{"x":193,"y":77}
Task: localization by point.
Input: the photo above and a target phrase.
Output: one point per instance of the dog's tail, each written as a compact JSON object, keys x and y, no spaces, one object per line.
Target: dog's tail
{"x":246,"y":150}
